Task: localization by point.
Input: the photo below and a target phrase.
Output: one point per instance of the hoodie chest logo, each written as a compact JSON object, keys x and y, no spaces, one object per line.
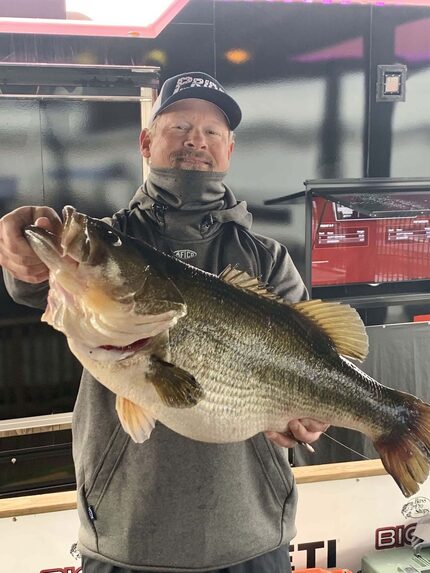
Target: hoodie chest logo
{"x":185,"y":254}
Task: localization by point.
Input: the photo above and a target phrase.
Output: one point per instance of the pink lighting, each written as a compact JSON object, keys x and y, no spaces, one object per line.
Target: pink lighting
{"x":349,"y":50}
{"x":349,"y":2}
{"x":412,"y":41}
{"x":140,"y":26}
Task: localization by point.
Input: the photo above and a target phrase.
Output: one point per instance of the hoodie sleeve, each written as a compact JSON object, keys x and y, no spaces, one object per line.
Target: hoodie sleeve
{"x":282,"y":275}
{"x":29,"y":294}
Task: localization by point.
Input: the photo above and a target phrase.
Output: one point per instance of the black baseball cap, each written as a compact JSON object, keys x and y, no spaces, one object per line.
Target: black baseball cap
{"x":200,"y":86}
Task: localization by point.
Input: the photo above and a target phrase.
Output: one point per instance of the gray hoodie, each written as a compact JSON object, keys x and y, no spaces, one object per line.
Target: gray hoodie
{"x":171,"y":503}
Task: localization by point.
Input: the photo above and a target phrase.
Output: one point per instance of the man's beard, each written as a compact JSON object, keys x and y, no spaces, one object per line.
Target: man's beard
{"x":191,"y":160}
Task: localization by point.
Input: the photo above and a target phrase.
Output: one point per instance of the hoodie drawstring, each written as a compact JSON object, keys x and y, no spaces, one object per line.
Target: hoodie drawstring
{"x":159,"y":211}
{"x":206,"y":224}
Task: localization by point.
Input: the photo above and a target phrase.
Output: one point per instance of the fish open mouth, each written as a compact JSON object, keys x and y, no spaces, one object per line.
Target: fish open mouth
{"x":108,"y":352}
{"x":133,"y":347}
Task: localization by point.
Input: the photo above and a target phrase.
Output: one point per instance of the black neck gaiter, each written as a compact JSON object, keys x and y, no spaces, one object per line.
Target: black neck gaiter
{"x":186,"y":190}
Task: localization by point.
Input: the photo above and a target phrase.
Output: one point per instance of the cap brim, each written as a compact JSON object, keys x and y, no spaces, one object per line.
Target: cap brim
{"x":222,"y":100}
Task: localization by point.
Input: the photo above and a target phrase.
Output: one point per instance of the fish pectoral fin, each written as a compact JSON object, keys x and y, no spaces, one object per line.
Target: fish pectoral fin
{"x":135,"y":420}
{"x":176,"y":387}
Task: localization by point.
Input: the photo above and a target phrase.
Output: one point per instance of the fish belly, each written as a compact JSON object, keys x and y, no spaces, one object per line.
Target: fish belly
{"x":199,"y":423}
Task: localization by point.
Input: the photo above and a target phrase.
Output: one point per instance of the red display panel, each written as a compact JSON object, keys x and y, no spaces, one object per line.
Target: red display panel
{"x":350,"y":248}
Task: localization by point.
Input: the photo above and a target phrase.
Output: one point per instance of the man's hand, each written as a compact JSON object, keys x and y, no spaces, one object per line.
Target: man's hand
{"x":16,"y":255}
{"x":305,"y":430}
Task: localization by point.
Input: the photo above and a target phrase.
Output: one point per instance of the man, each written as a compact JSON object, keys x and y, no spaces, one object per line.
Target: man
{"x":174,"y":504}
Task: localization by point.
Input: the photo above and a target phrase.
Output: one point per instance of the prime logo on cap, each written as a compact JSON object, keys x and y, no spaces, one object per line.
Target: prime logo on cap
{"x":196,"y":82}
{"x":197,"y":85}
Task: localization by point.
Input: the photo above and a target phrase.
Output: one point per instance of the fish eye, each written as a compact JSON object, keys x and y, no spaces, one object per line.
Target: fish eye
{"x":113,"y":238}
{"x":109,"y":235}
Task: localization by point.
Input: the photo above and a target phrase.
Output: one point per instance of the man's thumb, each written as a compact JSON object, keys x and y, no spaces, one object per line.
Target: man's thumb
{"x":45,"y":223}
{"x":50,"y":223}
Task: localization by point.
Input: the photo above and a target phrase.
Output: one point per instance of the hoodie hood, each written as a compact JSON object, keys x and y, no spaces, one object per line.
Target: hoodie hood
{"x":189,"y":204}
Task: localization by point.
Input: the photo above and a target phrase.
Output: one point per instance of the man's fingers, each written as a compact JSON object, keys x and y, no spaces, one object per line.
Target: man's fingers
{"x":298,"y":431}
{"x":283,"y":440}
{"x":34,"y":279}
{"x":312,"y":425}
{"x":19,"y":258}
{"x":13,"y":242}
{"x":34,"y":273}
{"x":43,"y":222}
{"x":52,"y":224}
{"x":306,"y":429}
{"x":16,"y":255}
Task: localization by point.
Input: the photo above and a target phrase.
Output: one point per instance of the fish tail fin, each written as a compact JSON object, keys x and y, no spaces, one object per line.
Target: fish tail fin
{"x":405,"y":451}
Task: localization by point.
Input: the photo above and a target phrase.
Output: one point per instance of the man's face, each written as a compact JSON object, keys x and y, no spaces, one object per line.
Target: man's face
{"x":191,"y":134}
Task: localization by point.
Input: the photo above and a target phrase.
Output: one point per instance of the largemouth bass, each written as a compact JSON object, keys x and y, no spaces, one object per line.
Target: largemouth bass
{"x":217,"y":359}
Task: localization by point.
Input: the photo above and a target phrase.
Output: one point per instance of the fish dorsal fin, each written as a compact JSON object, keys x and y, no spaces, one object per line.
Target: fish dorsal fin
{"x":341,"y":323}
{"x":243,"y":280}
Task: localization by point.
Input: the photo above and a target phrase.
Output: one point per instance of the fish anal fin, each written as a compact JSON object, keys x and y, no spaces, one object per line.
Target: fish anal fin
{"x":341,"y":323}
{"x":241,"y":279}
{"x":176,"y":387}
{"x":136,"y":421}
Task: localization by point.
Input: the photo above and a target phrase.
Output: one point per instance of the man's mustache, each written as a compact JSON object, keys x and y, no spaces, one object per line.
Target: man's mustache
{"x":201,"y":155}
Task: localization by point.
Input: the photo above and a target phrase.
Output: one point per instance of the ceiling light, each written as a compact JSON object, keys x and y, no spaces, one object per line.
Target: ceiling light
{"x":131,"y":18}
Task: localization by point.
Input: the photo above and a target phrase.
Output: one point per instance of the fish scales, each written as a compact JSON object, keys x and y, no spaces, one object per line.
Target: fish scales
{"x":279,"y":375}
{"x":317,"y":385}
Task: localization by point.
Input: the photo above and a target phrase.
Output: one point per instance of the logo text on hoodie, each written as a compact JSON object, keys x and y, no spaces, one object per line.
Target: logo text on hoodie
{"x":185,"y":254}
